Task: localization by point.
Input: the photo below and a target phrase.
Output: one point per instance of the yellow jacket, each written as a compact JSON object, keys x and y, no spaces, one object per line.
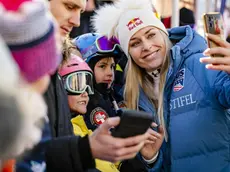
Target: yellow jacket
{"x":81,"y":129}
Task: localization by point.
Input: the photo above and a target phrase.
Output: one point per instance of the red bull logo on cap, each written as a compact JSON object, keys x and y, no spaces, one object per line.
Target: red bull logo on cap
{"x":134,"y":23}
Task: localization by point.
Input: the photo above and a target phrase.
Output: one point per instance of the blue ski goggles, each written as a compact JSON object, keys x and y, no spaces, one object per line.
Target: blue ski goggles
{"x":102,"y":45}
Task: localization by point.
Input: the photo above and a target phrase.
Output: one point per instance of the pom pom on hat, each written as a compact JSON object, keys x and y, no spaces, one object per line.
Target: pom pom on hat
{"x":29,"y":33}
{"x":124,"y":19}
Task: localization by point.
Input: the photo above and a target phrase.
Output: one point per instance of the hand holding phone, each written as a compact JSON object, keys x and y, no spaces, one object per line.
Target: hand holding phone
{"x":132,"y":123}
{"x":106,"y":147}
{"x":213,"y":23}
{"x":222,"y":64}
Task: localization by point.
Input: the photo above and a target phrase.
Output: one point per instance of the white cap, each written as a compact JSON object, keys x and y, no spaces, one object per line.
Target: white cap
{"x":124,"y":19}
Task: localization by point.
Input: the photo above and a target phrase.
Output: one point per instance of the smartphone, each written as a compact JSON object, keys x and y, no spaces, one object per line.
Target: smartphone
{"x":213,"y":23}
{"x":132,"y":123}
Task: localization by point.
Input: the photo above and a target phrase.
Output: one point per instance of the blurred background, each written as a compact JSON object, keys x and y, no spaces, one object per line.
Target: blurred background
{"x":176,"y":12}
{"x":172,"y":12}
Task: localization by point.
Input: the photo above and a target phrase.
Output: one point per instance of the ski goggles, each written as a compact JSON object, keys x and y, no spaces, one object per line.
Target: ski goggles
{"x":102,"y":45}
{"x":79,"y":82}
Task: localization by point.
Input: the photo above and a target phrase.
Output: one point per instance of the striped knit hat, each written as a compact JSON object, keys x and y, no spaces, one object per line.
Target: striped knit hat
{"x":29,"y":32}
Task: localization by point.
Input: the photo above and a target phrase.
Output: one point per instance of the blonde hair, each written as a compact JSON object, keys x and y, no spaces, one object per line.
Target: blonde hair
{"x":68,"y":49}
{"x":137,"y":77}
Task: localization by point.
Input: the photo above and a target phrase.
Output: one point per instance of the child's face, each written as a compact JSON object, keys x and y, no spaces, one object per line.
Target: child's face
{"x":78,"y":103}
{"x":104,"y":71}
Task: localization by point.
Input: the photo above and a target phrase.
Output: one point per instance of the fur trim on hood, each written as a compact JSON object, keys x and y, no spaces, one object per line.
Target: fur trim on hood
{"x":124,"y":18}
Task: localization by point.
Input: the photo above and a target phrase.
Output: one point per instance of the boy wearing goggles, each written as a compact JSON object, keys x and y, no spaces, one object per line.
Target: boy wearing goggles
{"x":78,"y":82}
{"x":102,"y":55}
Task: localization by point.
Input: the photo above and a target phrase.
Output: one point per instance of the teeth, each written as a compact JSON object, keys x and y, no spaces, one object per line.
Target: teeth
{"x":82,"y":103}
{"x":153,"y":53}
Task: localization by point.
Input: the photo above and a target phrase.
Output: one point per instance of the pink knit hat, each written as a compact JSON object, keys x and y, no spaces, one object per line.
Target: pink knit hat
{"x":30,"y":35}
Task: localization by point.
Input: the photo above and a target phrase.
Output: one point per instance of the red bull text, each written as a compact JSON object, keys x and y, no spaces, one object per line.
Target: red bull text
{"x":134,"y":23}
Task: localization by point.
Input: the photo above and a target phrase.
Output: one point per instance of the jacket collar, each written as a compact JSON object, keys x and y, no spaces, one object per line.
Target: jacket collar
{"x":186,"y":43}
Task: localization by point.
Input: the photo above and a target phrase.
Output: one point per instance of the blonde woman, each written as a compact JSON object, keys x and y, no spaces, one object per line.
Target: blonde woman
{"x":165,"y":77}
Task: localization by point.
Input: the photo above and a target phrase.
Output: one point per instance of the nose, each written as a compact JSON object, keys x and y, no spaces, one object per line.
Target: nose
{"x":109,"y":72}
{"x":147,"y":45}
{"x":85,"y":94}
{"x":75,"y":18}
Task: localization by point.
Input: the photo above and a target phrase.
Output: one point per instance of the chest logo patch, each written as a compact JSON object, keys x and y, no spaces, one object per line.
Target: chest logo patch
{"x":179,"y":81}
{"x":98,"y":116}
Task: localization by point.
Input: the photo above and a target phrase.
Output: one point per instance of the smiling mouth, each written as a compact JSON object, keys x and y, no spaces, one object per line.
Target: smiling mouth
{"x":82,"y":102}
{"x":152,"y":54}
{"x":66,"y":30}
{"x":108,"y":81}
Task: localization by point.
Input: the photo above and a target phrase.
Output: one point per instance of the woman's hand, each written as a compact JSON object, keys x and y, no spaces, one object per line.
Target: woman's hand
{"x":217,"y":63}
{"x":106,"y":147}
{"x":153,"y":144}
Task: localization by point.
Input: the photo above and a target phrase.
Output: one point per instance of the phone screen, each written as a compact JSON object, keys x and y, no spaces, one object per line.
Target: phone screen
{"x":213,"y":24}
